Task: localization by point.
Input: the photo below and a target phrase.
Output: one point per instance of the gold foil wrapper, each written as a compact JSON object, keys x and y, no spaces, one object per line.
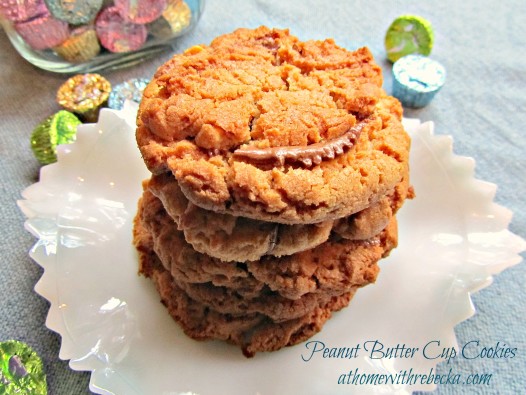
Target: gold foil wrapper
{"x":84,"y":94}
{"x":174,"y":19}
{"x":82,"y":46}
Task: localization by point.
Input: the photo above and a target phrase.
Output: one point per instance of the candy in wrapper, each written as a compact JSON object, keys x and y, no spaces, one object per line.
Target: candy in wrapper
{"x":43,"y":32}
{"x":128,"y":90}
{"x":408,"y":34}
{"x":118,"y":35}
{"x":22,"y":10}
{"x":75,"y":12}
{"x":84,"y":94}
{"x":416,"y":80}
{"x":140,"y":11}
{"x":60,"y":128}
{"x":22,"y":371}
{"x":174,"y":19}
{"x":81,"y":46}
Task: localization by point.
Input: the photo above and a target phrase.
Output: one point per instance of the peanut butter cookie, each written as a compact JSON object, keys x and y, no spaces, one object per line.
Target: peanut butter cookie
{"x":261,"y":125}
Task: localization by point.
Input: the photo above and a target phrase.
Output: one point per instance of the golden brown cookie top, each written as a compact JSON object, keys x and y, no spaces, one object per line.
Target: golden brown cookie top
{"x":263,"y":125}
{"x":263,"y":87}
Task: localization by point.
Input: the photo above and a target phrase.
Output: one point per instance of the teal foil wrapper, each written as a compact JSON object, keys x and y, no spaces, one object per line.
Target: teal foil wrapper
{"x":128,"y":90}
{"x":416,"y":80}
{"x":75,"y":12}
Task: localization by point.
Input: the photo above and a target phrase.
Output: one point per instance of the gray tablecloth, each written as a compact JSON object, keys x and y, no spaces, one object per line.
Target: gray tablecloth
{"x":480,"y":42}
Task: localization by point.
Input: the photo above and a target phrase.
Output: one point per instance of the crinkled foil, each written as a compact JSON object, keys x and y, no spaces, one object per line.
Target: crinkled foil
{"x":84,"y":94}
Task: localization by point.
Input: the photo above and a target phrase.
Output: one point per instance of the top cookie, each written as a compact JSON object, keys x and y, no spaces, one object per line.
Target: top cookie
{"x":261,"y":125}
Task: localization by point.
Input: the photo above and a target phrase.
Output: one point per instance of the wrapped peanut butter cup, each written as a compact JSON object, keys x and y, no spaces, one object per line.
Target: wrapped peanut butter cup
{"x":84,"y":94}
{"x":81,"y":46}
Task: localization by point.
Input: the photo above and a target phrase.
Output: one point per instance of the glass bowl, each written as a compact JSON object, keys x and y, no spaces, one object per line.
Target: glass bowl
{"x":117,"y":33}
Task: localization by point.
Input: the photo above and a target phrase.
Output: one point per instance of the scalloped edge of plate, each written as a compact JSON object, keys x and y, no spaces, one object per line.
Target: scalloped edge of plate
{"x":43,"y":201}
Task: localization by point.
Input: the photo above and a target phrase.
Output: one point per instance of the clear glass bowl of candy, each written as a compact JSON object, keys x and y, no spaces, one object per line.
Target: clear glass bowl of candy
{"x":76,"y":36}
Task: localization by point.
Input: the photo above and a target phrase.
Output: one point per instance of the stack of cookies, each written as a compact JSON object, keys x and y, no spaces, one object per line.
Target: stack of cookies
{"x":277,"y":169}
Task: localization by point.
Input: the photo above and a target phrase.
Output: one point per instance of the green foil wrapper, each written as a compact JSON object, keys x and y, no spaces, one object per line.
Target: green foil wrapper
{"x":22,"y":370}
{"x":408,"y":34}
{"x":60,"y":128}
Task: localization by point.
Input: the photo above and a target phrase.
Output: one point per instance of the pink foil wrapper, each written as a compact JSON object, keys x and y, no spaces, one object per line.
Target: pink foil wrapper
{"x":22,"y":10}
{"x":141,"y":11}
{"x":43,"y":32}
{"x":117,"y":34}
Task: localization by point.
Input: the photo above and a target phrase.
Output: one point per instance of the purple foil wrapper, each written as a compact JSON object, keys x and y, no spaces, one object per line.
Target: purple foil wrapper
{"x":22,"y":10}
{"x":43,"y":32}
{"x":141,"y":11}
{"x":117,"y":34}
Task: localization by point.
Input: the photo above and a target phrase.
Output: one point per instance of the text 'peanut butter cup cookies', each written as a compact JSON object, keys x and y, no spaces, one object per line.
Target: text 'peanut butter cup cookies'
{"x":263,"y":126}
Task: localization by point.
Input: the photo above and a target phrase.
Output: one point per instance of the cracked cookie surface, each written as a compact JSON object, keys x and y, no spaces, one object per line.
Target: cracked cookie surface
{"x":254,"y":332}
{"x":231,"y":238}
{"x":261,"y":89}
{"x":330,"y":269}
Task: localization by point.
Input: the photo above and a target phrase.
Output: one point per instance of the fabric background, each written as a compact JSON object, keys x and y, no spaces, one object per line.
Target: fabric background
{"x":480,"y":42}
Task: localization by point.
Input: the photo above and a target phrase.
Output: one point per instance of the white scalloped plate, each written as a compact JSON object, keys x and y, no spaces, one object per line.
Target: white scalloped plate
{"x":453,"y":238}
